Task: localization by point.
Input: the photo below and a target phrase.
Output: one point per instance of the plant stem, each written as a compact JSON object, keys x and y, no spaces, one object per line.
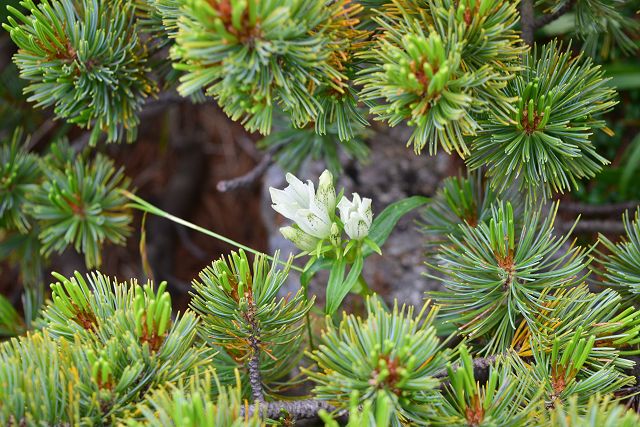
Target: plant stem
{"x":144,"y":206}
{"x":309,"y":331}
{"x":308,"y":319}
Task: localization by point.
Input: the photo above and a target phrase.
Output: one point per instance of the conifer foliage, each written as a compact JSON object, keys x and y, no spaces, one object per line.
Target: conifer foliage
{"x":531,"y":326}
{"x":72,"y":52}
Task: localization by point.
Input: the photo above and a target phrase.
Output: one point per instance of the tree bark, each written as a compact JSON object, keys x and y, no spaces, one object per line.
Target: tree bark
{"x":527,"y":21}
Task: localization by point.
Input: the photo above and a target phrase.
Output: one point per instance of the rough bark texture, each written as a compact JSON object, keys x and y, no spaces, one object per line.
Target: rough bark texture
{"x":296,"y":409}
{"x":255,"y":378}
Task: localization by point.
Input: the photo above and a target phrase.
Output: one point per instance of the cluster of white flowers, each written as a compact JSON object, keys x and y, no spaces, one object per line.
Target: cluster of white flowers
{"x":313,"y":212}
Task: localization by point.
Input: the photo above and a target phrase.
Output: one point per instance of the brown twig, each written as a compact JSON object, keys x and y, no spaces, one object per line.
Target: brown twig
{"x":255,"y":377}
{"x":297,"y":409}
{"x":195,"y":250}
{"x":248,"y":178}
{"x":550,"y":17}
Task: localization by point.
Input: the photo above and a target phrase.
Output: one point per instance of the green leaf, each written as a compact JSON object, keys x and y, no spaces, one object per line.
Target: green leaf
{"x":310,"y":271}
{"x":338,"y":287}
{"x":336,"y":279}
{"x":384,"y":223}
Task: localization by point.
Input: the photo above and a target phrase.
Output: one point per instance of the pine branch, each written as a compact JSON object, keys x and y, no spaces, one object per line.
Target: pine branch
{"x":548,"y":18}
{"x":552,"y":120}
{"x":255,"y":378}
{"x":479,"y":266}
{"x":350,"y":361}
{"x":294,"y":409}
{"x":236,"y":295}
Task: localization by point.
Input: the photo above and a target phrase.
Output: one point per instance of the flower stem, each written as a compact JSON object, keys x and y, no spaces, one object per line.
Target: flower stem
{"x":144,"y":206}
{"x":308,"y":319}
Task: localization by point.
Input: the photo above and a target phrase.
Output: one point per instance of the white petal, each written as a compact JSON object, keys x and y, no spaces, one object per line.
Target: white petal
{"x":345,"y":206}
{"x":365,"y":211}
{"x":312,"y":224}
{"x":299,"y":191}
{"x":281,"y":204}
{"x":362,"y":229}
{"x":351,"y":227}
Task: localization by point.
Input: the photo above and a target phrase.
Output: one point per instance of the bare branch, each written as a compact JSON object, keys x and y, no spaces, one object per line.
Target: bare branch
{"x":295,"y":409}
{"x":255,"y":378}
{"x":165,"y":99}
{"x":248,"y":178}
{"x":40,"y":133}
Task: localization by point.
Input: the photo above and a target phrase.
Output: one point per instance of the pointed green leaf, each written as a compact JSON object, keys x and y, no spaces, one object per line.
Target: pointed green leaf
{"x":384,"y":223}
{"x":338,"y":287}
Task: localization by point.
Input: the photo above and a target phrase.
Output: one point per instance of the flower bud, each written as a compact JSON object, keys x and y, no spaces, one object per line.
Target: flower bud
{"x":326,"y":195}
{"x":302,"y":240}
{"x":335,"y":235}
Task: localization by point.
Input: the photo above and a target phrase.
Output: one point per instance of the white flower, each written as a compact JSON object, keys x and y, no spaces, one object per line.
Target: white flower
{"x":299,"y":238}
{"x":299,"y":203}
{"x":356,"y":216}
